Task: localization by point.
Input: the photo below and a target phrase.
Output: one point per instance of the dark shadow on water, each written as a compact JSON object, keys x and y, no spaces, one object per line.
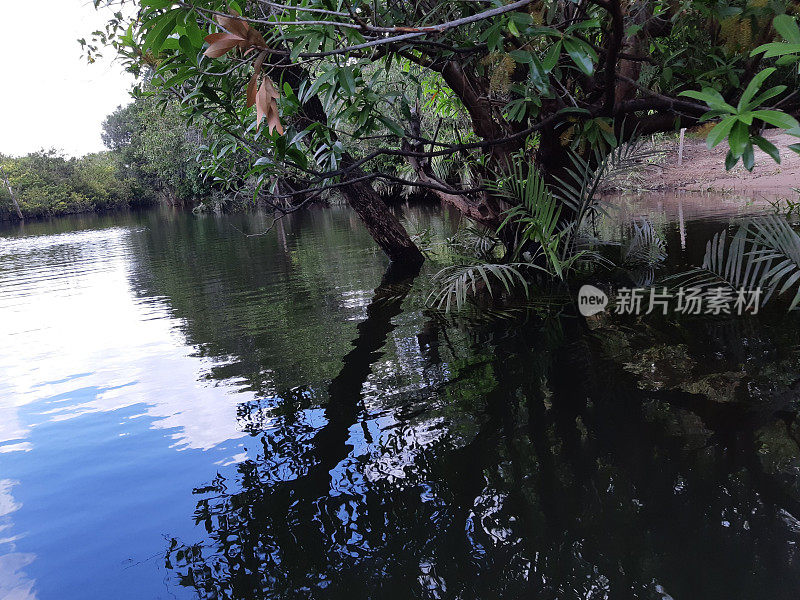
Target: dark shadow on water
{"x":573,"y":483}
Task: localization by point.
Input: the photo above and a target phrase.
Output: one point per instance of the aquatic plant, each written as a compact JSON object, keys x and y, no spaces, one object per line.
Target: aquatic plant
{"x":456,"y":282}
{"x":763,"y":253}
{"x":645,"y":247}
{"x":542,"y":228}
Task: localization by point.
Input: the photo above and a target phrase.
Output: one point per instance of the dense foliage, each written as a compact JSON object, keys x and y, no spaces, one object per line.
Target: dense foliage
{"x":157,"y":149}
{"x":152,"y":157}
{"x":349,"y":89}
{"x":46,"y":183}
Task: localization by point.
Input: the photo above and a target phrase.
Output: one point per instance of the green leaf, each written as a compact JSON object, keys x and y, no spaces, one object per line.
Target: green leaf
{"x":764,"y":96}
{"x":739,"y":138}
{"x":711,"y":97}
{"x":521,"y":56}
{"x":720,"y":131}
{"x":164,"y":26}
{"x":730,"y":161}
{"x":295,"y":52}
{"x":347,"y":81}
{"x":522,"y":19}
{"x":713,"y":114}
{"x":156,"y":4}
{"x":776,"y":49}
{"x":748,"y":157}
{"x":196,"y":35}
{"x":579,"y":55}
{"x":551,"y":58}
{"x":768,"y":147}
{"x":752,"y":88}
{"x":494,"y":39}
{"x":795,"y":148}
{"x":776,"y":118}
{"x":787,"y":27}
{"x":178,"y":79}
{"x":787,"y":60}
{"x":393,"y":127}
{"x":186,"y":45}
{"x":590,"y":24}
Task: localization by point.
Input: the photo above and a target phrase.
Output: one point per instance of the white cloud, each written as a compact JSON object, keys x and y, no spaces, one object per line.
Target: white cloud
{"x":50,"y":96}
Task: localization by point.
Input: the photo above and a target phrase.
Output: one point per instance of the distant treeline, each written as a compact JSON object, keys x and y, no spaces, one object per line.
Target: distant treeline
{"x":46,"y":183}
{"x":151,"y":158}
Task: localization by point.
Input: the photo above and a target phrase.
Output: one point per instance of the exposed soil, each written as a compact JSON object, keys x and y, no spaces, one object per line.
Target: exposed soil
{"x":703,"y":170}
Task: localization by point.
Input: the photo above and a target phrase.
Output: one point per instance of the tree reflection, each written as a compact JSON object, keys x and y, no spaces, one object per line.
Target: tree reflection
{"x":459,"y":459}
{"x":554,"y":475}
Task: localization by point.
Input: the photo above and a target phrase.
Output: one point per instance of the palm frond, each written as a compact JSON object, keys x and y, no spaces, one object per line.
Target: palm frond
{"x":456,"y":283}
{"x":443,"y":167}
{"x":474,"y":242}
{"x":645,"y":247}
{"x":780,"y":244}
{"x":763,"y":253}
{"x":536,"y":212}
{"x":580,"y":190}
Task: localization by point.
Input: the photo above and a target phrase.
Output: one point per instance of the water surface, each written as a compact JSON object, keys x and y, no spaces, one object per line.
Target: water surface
{"x":189,"y":412}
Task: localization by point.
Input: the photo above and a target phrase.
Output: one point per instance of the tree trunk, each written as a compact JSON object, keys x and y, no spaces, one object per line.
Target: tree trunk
{"x":383,"y":226}
{"x":484,"y":210}
{"x":552,"y":157}
{"x":11,"y":192}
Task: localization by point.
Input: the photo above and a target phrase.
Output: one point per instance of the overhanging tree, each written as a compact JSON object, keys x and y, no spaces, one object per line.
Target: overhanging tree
{"x":333,"y":94}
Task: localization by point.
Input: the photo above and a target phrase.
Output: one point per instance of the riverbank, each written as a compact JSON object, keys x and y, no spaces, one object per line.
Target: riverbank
{"x":703,"y":170}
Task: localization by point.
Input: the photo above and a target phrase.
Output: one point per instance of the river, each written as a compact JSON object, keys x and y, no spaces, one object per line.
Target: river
{"x":187,"y":410}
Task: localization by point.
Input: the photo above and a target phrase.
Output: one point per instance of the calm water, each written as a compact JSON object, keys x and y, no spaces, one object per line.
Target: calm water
{"x":188,"y":412}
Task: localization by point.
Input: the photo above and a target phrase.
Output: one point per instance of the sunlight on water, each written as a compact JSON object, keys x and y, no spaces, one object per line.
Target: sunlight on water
{"x":81,"y":342}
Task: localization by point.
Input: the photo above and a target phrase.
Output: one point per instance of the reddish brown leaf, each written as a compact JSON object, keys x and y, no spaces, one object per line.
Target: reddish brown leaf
{"x":251,"y":87}
{"x":254,"y":38}
{"x":271,"y":91}
{"x":234,"y":25}
{"x":262,"y":105}
{"x":238,"y":34}
{"x":274,"y":121}
{"x":215,"y":37}
{"x":267,"y":106}
{"x":220,"y":43}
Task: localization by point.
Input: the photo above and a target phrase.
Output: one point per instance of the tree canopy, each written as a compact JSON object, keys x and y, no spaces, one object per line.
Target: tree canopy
{"x":157,"y":150}
{"x":318,"y":95}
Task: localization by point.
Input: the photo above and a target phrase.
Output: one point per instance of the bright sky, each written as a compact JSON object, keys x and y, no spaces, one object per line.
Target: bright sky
{"x":49,"y":96}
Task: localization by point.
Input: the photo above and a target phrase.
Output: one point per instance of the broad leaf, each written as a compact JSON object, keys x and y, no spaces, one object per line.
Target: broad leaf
{"x":776,"y":118}
{"x":739,"y":138}
{"x":787,"y":27}
{"x":752,"y":88}
{"x":767,"y":147}
{"x":720,"y":131}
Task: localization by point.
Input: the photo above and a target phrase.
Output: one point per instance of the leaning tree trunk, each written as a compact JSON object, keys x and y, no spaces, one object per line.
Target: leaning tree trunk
{"x":382,"y":224}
